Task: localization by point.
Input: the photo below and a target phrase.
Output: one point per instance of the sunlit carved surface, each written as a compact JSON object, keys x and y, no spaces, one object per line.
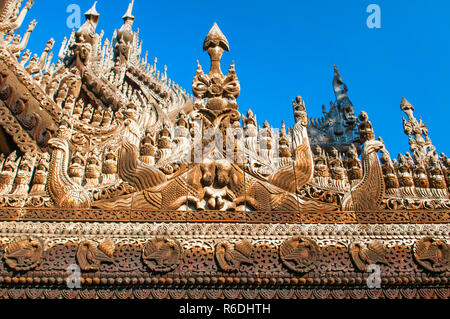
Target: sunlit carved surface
{"x":114,"y":168}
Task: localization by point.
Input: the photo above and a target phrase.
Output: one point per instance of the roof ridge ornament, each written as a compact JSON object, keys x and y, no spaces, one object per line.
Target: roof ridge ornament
{"x":419,"y":142}
{"x":215,"y":43}
{"x":216,"y":93}
{"x":340,"y":89}
{"x":92,"y":11}
{"x":129,"y":14}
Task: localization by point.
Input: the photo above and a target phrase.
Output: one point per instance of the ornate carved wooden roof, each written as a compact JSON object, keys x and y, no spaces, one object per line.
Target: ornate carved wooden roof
{"x":110,"y":166}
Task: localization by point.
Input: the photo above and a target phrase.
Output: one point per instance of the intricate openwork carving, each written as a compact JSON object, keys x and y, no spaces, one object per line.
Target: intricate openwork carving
{"x":299,"y":254}
{"x":24,"y":253}
{"x":432,"y":254}
{"x":162,"y":254}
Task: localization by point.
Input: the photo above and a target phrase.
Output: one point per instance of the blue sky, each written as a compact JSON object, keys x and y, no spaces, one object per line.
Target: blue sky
{"x":287,"y":48}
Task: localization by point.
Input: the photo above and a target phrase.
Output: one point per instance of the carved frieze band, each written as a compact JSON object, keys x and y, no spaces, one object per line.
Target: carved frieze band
{"x":293,"y":217}
{"x":283,"y":258}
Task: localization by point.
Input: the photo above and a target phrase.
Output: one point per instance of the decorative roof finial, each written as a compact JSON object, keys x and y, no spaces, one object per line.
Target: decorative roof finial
{"x":92,"y":11}
{"x":419,"y":142}
{"x":340,"y":89}
{"x":215,"y":43}
{"x":129,"y":14}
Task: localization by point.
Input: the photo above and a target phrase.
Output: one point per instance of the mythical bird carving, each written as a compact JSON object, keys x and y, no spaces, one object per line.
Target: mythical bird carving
{"x":303,"y":168}
{"x":162,"y":254}
{"x":374,"y":253}
{"x":299,"y":254}
{"x":432,"y":254}
{"x":369,"y":192}
{"x":24,"y":253}
{"x":90,"y":256}
{"x":63,"y":191}
{"x":231,"y":257}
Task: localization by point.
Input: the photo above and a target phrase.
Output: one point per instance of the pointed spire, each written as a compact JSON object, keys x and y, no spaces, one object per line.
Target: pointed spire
{"x":214,"y":38}
{"x":92,"y":11}
{"x":340,"y":89}
{"x":129,"y":15}
{"x":405,"y":105}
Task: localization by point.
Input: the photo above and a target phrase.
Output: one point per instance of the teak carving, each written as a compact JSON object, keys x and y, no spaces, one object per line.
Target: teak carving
{"x":24,"y":253}
{"x":162,"y":254}
{"x":299,"y":254}
{"x":175,"y":195}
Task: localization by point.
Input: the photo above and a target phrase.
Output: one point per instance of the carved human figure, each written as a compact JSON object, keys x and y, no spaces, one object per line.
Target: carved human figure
{"x":353,"y":165}
{"x":437,"y":179}
{"x":390,"y":178}
{"x":40,"y":176}
{"x":93,"y":170}
{"x":321,"y":173}
{"x":365,"y":128}
{"x":148,"y":149}
{"x":284,"y":145}
{"x":164,"y":142}
{"x":336,"y":166}
{"x":405,"y":177}
{"x":7,"y":174}
{"x":109,"y":168}
{"x":76,"y":168}
{"x":23,"y":176}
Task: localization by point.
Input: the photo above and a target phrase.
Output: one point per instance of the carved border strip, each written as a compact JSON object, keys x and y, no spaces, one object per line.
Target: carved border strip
{"x":294,"y":217}
{"x":200,"y":293}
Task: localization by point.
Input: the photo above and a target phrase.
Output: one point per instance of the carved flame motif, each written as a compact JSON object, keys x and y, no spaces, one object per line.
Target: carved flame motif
{"x":230,"y":257}
{"x":24,"y":253}
{"x":299,"y":254}
{"x":374,"y":253}
{"x":162,"y":254}
{"x":432,"y":254}
{"x":90,"y":255}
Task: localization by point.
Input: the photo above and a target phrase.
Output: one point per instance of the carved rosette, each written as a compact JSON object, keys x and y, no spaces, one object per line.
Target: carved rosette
{"x":162,"y":254}
{"x":24,"y":253}
{"x":432,"y":254}
{"x":299,"y":254}
{"x":230,"y":257}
